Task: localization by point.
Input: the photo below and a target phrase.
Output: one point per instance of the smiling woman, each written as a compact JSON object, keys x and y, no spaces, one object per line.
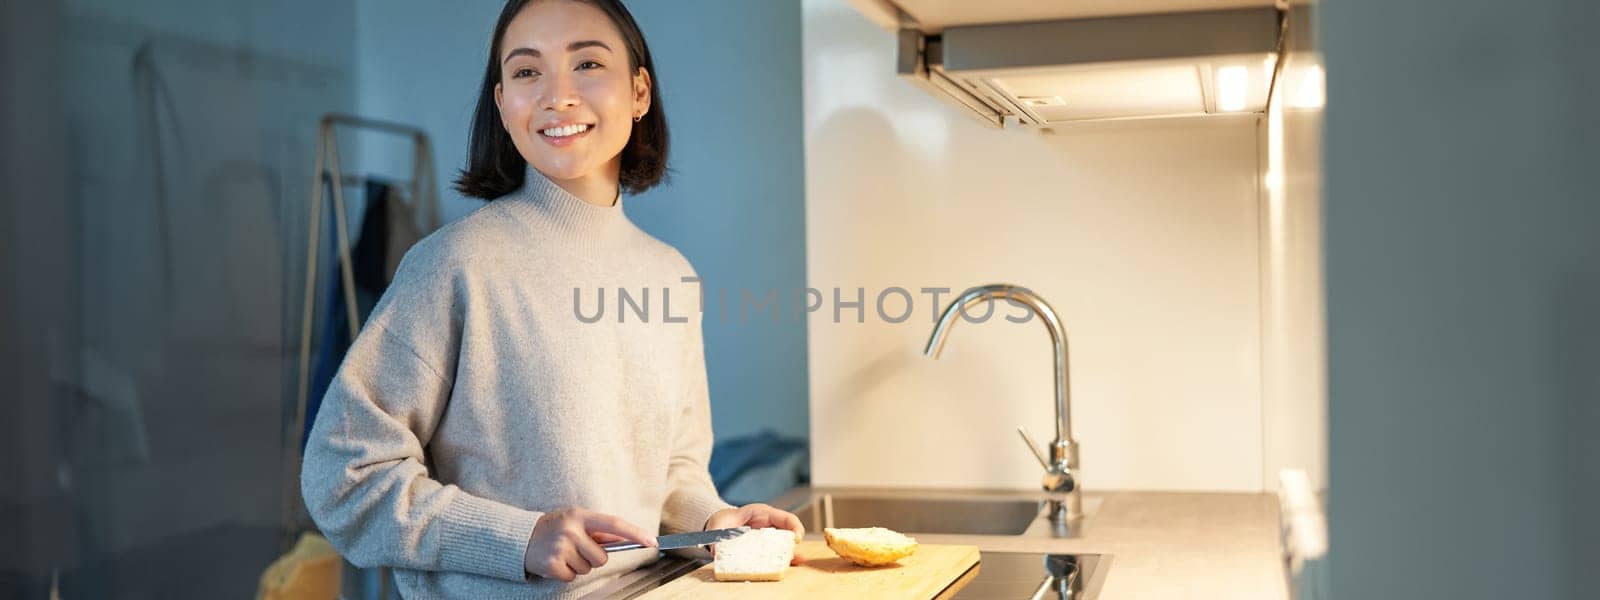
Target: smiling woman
{"x":569,"y":87}
{"x":481,"y":439}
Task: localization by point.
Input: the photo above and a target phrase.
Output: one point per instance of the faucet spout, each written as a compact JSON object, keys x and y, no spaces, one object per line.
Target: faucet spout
{"x":1025,"y":297}
{"x":1061,"y":469}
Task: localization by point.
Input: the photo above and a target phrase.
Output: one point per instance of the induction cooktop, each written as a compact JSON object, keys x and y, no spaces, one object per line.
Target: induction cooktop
{"x":1036,"y":576}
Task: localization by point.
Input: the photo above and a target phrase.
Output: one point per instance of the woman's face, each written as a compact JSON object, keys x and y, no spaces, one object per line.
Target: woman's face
{"x":566,"y":94}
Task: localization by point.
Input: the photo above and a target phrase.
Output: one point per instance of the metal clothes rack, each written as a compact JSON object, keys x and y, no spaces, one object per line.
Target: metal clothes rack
{"x":424,"y":194}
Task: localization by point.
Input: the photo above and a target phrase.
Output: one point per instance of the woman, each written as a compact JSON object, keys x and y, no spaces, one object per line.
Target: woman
{"x":481,"y":438}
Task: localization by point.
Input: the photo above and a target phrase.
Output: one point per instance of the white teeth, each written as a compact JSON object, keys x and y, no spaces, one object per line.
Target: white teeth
{"x":565,"y":130}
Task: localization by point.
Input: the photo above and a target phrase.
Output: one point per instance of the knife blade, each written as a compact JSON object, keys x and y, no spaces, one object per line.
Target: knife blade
{"x":682,"y":540}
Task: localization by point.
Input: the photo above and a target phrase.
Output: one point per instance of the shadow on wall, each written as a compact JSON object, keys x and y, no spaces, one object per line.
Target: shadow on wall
{"x":1573,"y":375}
{"x":892,"y":180}
{"x":876,"y":162}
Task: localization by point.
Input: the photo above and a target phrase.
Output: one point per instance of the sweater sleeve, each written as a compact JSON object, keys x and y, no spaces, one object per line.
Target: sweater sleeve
{"x":691,"y":495}
{"x":364,"y":477}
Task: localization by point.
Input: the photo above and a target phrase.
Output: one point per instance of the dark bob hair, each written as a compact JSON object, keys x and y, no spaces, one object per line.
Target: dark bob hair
{"x":495,"y":168}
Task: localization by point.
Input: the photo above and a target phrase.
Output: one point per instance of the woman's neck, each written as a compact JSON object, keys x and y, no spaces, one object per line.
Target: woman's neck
{"x":598,"y":188}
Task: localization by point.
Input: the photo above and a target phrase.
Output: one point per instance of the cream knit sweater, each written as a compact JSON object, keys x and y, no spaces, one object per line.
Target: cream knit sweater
{"x":475,"y":398}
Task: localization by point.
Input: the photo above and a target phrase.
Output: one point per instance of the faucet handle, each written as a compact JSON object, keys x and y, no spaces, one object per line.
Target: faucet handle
{"x":1027,"y":440}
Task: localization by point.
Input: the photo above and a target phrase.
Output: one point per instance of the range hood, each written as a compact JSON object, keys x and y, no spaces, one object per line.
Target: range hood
{"x":1044,"y":73}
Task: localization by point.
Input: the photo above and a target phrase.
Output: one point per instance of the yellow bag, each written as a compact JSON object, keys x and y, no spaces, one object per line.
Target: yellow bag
{"x":310,"y":571}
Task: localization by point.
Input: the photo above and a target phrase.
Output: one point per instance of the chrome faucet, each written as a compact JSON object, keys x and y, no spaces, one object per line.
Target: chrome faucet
{"x":1060,"y":471}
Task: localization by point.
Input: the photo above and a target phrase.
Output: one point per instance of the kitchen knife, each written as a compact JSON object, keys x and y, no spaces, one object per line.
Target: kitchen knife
{"x":682,"y":540}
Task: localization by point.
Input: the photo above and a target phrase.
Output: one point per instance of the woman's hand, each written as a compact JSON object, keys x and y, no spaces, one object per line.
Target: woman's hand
{"x":757,"y":516}
{"x":566,"y":542}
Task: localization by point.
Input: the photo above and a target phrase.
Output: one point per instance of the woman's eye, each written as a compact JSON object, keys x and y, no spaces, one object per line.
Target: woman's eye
{"x":520,"y":73}
{"x":589,"y":64}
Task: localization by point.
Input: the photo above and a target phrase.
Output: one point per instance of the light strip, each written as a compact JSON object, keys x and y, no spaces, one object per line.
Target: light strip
{"x":1310,"y":92}
{"x":1231,"y":83}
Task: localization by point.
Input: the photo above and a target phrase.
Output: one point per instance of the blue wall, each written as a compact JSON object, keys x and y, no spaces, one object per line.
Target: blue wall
{"x":1463,"y":282}
{"x":734,"y":202}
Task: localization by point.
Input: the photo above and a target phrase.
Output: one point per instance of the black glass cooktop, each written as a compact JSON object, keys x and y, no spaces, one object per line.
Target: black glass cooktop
{"x":1007,"y":575}
{"x":1012,"y":575}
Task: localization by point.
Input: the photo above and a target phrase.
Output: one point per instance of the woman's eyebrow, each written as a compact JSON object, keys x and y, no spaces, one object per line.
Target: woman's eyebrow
{"x":576,"y":46}
{"x":573,"y":47}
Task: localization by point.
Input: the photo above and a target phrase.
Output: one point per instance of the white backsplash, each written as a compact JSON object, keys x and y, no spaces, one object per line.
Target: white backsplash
{"x":1144,"y":236}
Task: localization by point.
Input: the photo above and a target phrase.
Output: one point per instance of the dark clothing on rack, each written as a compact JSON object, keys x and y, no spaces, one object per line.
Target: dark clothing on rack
{"x":388,"y":230}
{"x":367,"y":258}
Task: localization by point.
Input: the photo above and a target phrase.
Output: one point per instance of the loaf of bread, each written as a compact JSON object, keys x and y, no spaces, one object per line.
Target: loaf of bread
{"x":759,"y":555}
{"x":870,"y":546}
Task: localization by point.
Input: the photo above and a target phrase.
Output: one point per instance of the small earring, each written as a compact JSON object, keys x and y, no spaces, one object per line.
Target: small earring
{"x":637,"y":117}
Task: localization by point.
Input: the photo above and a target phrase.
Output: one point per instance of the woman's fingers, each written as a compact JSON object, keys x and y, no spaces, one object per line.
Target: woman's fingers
{"x":787,"y":520}
{"x":566,"y":542}
{"x":764,"y":515}
{"x":578,"y":563}
{"x":603,"y":523}
{"x":590,"y":551}
{"x":561,"y":571}
{"x":722,"y":519}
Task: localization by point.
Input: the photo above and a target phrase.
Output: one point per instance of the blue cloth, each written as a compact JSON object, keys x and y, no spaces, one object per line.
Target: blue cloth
{"x":368,"y":259}
{"x":758,"y":467}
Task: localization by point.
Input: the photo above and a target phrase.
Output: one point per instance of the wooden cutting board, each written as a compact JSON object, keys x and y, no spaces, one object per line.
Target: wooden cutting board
{"x":935,"y":571}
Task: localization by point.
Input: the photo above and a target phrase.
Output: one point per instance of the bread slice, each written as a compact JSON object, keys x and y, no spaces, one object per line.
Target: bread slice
{"x":870,"y":546}
{"x":760,"y":555}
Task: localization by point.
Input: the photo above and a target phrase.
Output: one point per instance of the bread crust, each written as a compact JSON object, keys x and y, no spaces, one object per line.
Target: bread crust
{"x":721,"y":576}
{"x":855,"y":546}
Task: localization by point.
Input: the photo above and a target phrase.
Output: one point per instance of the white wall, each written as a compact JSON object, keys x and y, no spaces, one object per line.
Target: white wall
{"x":1144,"y":236}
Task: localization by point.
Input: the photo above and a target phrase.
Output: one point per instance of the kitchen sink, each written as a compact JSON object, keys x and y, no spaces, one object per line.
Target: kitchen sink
{"x":956,"y":516}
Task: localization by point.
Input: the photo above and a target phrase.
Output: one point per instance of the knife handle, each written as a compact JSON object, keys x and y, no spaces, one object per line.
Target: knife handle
{"x":620,"y":546}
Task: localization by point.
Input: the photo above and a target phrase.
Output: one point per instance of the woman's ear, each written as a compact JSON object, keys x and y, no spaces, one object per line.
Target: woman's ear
{"x":641,"y":92}
{"x":499,"y":106}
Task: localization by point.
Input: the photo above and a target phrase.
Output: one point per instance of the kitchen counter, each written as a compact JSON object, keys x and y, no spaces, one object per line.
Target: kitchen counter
{"x":1163,"y":544}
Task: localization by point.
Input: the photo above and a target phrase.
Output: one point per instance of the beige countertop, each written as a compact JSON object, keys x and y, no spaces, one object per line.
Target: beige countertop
{"x":1163,"y":544}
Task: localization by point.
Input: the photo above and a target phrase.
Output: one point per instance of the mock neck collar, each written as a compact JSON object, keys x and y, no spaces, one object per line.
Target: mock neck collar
{"x":543,"y":200}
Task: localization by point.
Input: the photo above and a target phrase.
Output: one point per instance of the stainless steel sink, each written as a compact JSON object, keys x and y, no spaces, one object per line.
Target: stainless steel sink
{"x":958,"y":516}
